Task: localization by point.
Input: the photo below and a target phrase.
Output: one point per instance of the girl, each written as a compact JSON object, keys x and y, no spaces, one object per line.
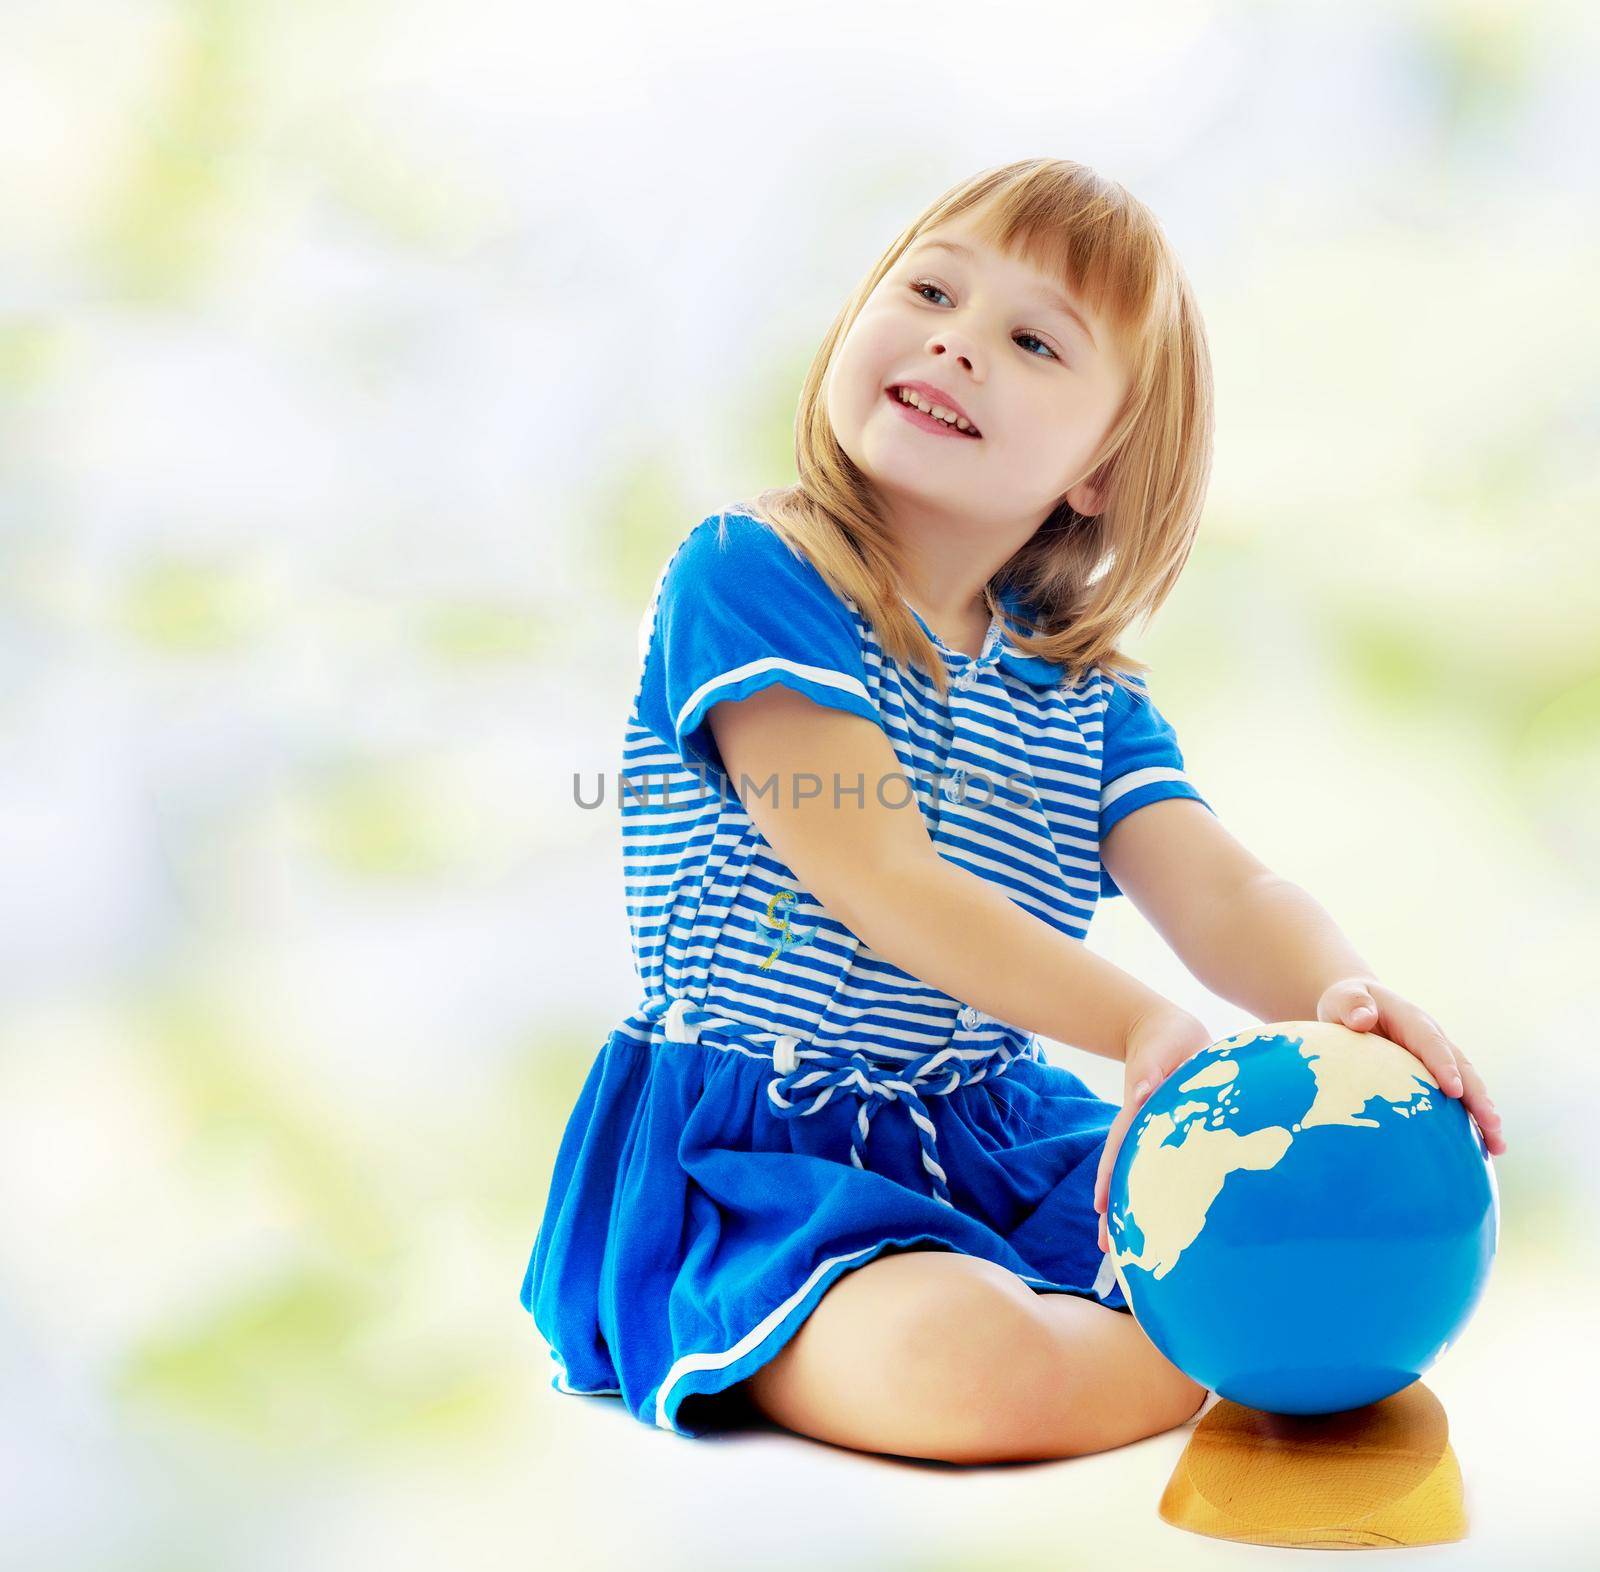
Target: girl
{"x":884,"y":758}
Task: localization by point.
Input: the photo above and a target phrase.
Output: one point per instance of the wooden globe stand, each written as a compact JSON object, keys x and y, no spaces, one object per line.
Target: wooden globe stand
{"x":1367,"y":1479}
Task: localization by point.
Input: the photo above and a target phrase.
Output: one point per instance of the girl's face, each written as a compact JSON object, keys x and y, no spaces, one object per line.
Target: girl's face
{"x":1033,"y":371}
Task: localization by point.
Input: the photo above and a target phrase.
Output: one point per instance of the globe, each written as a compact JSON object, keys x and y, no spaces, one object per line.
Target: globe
{"x":1300,"y":1220}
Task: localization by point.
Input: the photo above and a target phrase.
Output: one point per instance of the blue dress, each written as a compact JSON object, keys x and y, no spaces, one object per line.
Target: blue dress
{"x":785,"y":1104}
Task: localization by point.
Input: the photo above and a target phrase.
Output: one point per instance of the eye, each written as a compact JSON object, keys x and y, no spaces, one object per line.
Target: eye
{"x":921,"y":284}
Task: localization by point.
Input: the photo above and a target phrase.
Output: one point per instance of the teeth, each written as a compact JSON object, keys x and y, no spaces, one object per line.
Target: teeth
{"x":938,"y":411}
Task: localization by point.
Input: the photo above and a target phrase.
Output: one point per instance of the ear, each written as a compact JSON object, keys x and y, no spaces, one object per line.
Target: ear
{"x":1088,"y":497}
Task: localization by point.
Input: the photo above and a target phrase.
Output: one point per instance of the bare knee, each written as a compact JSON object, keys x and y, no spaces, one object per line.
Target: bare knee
{"x":1116,"y":1385}
{"x":936,"y":1355}
{"x":1029,"y":1376}
{"x":977,"y":1363}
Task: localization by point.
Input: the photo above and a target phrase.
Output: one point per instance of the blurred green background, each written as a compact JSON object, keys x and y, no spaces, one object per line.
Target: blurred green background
{"x":361,"y":366}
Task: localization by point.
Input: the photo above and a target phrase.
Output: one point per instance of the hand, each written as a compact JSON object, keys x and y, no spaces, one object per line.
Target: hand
{"x":1157,"y":1044}
{"x":1365,"y":1005}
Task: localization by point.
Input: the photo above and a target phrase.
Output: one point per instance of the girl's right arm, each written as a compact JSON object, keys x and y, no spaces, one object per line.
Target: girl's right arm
{"x":872,"y":864}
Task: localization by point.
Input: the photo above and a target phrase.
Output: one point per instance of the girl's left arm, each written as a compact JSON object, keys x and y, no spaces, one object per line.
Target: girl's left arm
{"x":1265,"y":944}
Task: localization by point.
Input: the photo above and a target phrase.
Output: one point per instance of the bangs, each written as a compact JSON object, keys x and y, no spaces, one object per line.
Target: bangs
{"x":1089,"y":234}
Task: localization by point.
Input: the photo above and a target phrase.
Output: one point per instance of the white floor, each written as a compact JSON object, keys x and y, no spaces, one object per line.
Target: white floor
{"x":1519,"y":1390}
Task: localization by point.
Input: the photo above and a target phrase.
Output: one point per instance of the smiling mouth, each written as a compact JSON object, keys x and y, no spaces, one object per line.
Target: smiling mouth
{"x":928,"y":422}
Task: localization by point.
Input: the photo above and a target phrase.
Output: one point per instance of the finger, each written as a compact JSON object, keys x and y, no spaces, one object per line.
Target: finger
{"x":1488,"y":1123}
{"x":1493,"y":1138}
{"x":1108,"y":1157}
{"x":1102,"y":1176}
{"x":1476,"y":1091}
{"x":1350,"y":1003}
{"x":1482,"y":1106}
{"x":1423,"y":1038}
{"x":1455,"y":1073}
{"x":1450,"y":1055}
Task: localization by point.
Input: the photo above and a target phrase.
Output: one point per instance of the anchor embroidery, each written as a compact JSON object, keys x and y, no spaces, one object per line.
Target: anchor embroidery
{"x":776,"y":916}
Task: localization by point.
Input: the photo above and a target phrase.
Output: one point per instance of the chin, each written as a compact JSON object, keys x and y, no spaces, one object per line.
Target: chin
{"x":912,"y":484}
{"x":909,"y":458}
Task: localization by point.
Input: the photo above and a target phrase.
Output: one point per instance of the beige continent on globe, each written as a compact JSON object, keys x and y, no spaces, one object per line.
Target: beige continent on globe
{"x":1171,"y":1188}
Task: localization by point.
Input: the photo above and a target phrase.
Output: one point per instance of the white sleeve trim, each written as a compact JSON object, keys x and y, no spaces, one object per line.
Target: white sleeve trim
{"x":1134,"y":779}
{"x":821,"y":675}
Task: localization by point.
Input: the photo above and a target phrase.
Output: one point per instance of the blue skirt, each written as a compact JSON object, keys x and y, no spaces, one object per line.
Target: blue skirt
{"x":690,"y":1229}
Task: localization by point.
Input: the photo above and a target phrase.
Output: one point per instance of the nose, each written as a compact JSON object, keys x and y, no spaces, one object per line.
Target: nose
{"x":951,"y":343}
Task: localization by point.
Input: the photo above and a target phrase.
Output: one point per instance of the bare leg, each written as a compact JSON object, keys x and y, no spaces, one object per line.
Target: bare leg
{"x":933,"y":1354}
{"x":1120,"y":1387}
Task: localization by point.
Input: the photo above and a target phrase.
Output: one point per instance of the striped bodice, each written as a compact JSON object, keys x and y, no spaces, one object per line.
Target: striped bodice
{"x":1007,"y":772}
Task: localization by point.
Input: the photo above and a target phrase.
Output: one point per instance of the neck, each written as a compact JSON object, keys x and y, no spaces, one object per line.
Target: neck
{"x":944,"y":564}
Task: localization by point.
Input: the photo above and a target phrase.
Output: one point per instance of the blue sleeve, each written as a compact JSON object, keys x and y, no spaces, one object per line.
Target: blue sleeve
{"x":1141,"y":763}
{"x":735,"y":615}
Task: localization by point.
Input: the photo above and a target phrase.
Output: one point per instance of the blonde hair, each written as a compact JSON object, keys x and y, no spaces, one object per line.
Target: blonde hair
{"x":1085,"y":579}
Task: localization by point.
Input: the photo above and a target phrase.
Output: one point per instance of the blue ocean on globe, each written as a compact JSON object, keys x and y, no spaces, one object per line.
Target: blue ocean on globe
{"x":1300,"y":1219}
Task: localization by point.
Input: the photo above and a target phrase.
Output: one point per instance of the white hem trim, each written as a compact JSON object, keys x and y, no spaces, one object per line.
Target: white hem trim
{"x":823,"y":676}
{"x":690,"y":1363}
{"x":561,"y":1384}
{"x":1134,"y":779}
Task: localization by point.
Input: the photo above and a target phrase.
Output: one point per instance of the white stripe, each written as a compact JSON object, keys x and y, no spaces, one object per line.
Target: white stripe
{"x":1106,"y":1276}
{"x":561,"y":1381}
{"x":692,"y":1362}
{"x":1135,"y":779}
{"x":821,"y":675}
{"x":720,"y":1361}
{"x":561,"y":1384}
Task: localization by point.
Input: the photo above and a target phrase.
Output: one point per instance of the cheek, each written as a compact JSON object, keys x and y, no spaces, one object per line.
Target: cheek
{"x":1069,"y":418}
{"x":836,"y":397}
{"x":875,"y":346}
{"x":1048,"y":440}
{"x":860,"y":366}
